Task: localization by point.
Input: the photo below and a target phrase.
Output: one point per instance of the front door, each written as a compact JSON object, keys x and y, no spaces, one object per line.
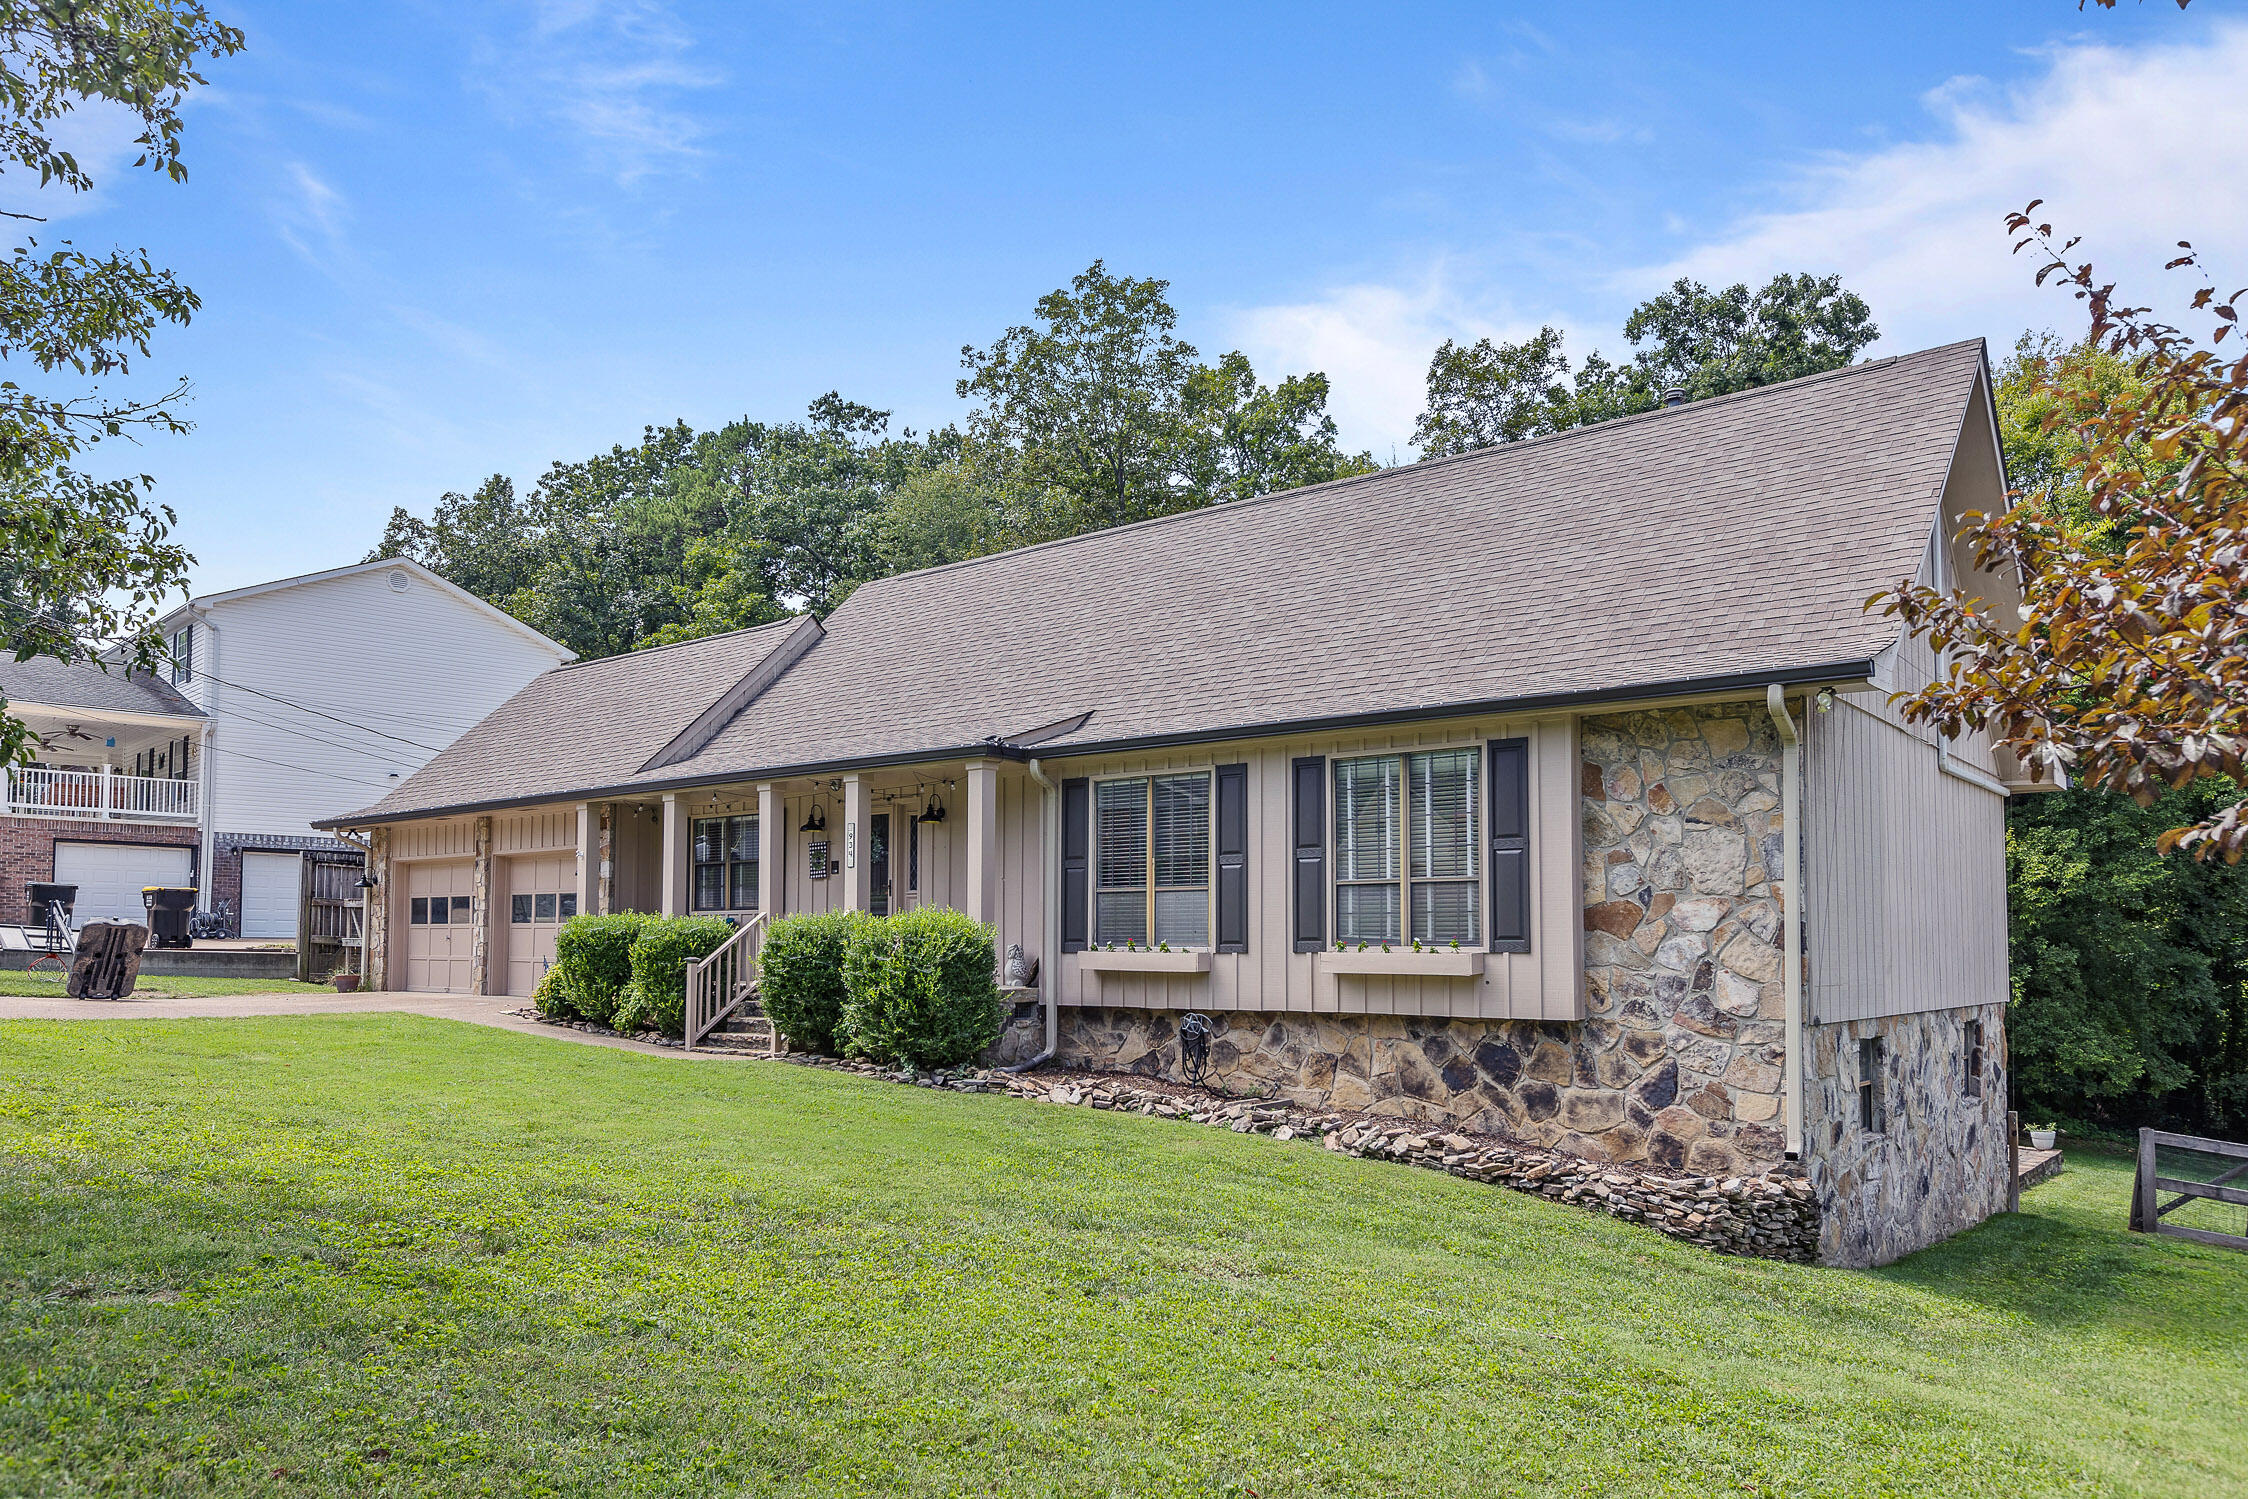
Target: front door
{"x":878,"y":865}
{"x":541,"y":895}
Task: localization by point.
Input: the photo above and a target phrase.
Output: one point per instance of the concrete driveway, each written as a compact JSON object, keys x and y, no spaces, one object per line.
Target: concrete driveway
{"x":491,"y":1010}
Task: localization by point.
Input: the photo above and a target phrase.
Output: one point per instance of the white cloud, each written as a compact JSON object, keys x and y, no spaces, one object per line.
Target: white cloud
{"x":309,"y":216}
{"x":102,"y":137}
{"x":612,"y":73}
{"x":1373,"y":342}
{"x":2130,"y":148}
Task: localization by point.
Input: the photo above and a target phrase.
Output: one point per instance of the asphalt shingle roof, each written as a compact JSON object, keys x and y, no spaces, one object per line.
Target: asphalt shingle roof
{"x":1723,"y":537}
{"x":63,"y":684}
{"x":1731,"y":537}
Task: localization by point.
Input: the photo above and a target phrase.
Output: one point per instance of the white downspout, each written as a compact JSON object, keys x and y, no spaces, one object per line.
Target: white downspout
{"x":1791,"y":907}
{"x":1049,"y":961}
{"x":207,"y":875}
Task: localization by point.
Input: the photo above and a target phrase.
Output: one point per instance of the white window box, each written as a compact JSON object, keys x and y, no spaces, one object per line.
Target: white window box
{"x":1143,"y":961}
{"x":1429,"y":963}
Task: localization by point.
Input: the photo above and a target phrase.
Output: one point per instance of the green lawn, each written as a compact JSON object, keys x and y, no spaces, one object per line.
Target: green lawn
{"x":389,"y":1254}
{"x":47,"y":984}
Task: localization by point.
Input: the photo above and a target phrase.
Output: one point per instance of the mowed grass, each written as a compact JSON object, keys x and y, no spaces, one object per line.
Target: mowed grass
{"x":389,"y":1254}
{"x":47,"y":983}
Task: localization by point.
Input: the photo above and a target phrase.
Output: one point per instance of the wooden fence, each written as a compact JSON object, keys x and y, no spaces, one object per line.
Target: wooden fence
{"x":331,"y":916}
{"x":2147,"y":1207}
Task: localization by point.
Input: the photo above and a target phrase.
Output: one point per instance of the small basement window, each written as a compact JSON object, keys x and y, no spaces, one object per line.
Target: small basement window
{"x":1974,"y":1059}
{"x":1870,"y":1100}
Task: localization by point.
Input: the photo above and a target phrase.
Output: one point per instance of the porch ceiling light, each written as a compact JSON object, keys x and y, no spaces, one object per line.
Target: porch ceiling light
{"x":933,"y":813}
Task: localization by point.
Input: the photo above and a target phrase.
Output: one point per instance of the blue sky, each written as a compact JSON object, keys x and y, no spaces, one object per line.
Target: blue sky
{"x":439,"y":241}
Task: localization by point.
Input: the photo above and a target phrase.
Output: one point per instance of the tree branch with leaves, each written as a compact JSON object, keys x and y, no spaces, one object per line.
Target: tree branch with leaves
{"x":2126,"y":663}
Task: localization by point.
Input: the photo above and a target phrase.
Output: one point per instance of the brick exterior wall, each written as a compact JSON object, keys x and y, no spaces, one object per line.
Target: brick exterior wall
{"x":27,"y":850}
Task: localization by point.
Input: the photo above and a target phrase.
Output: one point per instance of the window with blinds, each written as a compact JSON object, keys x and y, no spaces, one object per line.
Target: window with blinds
{"x":1151,"y":860}
{"x":725,"y":859}
{"x":1407,"y":841}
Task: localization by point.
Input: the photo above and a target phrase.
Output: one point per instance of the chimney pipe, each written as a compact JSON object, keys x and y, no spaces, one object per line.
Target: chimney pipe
{"x":1674,"y":395}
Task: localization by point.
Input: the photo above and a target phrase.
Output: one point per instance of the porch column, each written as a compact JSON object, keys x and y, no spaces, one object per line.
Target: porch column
{"x":983,"y":841}
{"x":605,"y":880}
{"x":374,"y":913}
{"x":772,"y":850}
{"x":675,"y":851}
{"x":589,"y":856}
{"x":856,"y":860}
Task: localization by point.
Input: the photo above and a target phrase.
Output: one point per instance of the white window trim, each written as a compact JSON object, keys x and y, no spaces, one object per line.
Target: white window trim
{"x":1148,"y":778}
{"x":1404,"y":881}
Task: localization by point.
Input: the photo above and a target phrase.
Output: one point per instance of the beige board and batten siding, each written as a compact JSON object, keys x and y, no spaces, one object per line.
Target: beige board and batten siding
{"x":1545,"y":983}
{"x":1906,"y":868}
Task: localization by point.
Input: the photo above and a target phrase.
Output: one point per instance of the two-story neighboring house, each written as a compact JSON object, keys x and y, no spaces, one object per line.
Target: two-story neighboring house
{"x":284,"y":700}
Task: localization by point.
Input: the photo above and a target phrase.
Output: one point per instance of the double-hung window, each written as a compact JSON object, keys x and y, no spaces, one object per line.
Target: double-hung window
{"x":725,"y":863}
{"x":1408,"y":840}
{"x":1151,"y":852}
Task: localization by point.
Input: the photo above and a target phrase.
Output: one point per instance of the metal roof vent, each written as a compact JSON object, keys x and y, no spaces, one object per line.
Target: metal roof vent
{"x":1674,"y":395}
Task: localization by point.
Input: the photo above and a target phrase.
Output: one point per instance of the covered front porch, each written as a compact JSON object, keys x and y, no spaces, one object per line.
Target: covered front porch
{"x":100,"y":766}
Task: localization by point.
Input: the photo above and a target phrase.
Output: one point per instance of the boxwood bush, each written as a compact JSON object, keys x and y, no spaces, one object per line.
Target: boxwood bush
{"x":656,"y":999}
{"x":919,"y":989}
{"x":593,"y":956}
{"x":800,"y":976}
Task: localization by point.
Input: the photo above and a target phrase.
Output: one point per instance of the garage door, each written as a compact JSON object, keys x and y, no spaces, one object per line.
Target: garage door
{"x":440,"y":926}
{"x":109,"y":876}
{"x":541,"y":894}
{"x":271,"y":884}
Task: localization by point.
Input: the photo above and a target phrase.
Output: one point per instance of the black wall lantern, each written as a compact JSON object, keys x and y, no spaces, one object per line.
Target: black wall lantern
{"x":933,"y":813}
{"x":815,"y":823}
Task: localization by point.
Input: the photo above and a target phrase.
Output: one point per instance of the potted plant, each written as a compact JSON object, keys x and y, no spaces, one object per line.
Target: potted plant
{"x":2042,"y":1136}
{"x":345,"y":982}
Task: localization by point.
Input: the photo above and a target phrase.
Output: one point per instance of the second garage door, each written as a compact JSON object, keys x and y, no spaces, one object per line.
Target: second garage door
{"x":441,"y":918}
{"x":541,"y":895}
{"x":109,"y":876}
{"x":271,"y":884}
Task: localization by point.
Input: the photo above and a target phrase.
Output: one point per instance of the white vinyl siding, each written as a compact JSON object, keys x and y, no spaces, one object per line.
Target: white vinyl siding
{"x":1408,"y":835}
{"x":335,"y":691}
{"x":1157,"y":826}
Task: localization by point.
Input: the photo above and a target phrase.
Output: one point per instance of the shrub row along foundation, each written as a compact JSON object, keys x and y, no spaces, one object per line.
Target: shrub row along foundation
{"x":1771,"y":1215}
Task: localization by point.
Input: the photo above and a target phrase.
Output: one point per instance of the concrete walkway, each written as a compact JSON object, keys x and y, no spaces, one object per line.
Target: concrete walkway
{"x":491,"y":1010}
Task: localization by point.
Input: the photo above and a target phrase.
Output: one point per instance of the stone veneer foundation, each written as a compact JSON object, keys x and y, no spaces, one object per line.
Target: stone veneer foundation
{"x":1678,"y":1061}
{"x":1940,"y":1160}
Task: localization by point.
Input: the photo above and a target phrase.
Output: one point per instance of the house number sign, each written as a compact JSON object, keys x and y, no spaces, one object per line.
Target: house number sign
{"x":815,"y":854}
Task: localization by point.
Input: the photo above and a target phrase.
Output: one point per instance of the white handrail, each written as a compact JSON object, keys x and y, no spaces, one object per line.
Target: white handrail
{"x":721,"y":981}
{"x":98,"y":795}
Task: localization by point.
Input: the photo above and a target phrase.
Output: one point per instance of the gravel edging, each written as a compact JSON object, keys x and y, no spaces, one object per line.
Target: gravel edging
{"x":1771,"y":1215}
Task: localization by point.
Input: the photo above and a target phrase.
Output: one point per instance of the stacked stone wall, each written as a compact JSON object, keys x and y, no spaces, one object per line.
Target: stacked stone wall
{"x":1939,"y":1161}
{"x":1678,"y":1063}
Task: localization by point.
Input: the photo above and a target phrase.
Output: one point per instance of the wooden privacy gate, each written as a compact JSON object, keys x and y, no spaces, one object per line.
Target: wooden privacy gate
{"x":331,"y":917}
{"x":2147,"y":1207}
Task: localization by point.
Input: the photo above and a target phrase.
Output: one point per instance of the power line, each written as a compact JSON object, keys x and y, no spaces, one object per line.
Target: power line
{"x":301,"y":708}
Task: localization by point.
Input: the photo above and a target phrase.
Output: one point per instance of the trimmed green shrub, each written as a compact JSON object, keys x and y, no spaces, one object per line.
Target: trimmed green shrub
{"x":656,"y":999}
{"x":594,"y":956}
{"x":552,"y":997}
{"x":800,"y":976}
{"x":919,"y":989}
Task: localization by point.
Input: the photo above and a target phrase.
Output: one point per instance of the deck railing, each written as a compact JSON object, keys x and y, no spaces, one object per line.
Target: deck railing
{"x":98,"y":795}
{"x":716,"y":985}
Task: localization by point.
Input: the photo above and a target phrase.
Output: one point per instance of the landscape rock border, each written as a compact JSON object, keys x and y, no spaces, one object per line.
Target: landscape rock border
{"x":1770,"y":1215}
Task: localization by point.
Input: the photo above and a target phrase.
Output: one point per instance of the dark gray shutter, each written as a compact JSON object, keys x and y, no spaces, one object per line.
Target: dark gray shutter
{"x":1307,"y":826}
{"x":1077,"y":865}
{"x":1233,"y":858}
{"x":1510,"y":845}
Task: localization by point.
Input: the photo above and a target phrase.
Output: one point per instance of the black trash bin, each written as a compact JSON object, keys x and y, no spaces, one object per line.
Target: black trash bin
{"x":168,"y":908}
{"x":40,"y":894}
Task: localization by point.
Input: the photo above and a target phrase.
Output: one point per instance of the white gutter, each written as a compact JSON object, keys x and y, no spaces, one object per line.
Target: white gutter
{"x":1791,"y":907}
{"x":1049,"y":961}
{"x":207,"y":875}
